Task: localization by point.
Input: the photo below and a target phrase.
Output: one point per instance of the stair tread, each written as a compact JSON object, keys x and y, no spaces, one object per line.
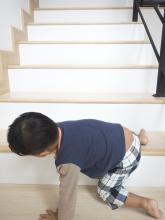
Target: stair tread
{"x":87,"y":42}
{"x":84,"y":8}
{"x":82,"y":66}
{"x":78,"y":23}
{"x":156,"y":145}
{"x":91,"y":8}
{"x":90,"y":98}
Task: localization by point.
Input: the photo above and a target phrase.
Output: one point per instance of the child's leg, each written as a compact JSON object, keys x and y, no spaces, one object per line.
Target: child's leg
{"x":133,"y":200}
{"x":149,"y":205}
{"x":110,"y":187}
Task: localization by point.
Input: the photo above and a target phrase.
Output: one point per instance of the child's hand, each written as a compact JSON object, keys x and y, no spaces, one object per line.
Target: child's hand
{"x":49,"y":216}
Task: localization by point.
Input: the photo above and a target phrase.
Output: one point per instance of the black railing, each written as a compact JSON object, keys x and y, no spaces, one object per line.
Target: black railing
{"x":156,"y":4}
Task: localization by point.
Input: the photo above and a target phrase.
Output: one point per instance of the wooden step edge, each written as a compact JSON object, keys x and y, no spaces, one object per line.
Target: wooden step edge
{"x":5,"y":149}
{"x":81,"y":24}
{"x":148,"y":152}
{"x":156,"y":146}
{"x":86,"y":42}
{"x":82,"y":67}
{"x":90,"y":8}
{"x":80,"y":98}
{"x":84,"y":8}
{"x":153,"y":151}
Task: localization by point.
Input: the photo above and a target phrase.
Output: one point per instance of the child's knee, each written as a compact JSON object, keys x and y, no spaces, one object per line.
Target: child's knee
{"x":115,"y":197}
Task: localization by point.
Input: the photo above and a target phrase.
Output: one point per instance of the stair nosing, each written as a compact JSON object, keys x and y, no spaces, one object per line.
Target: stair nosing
{"x":96,"y":23}
{"x":84,"y":8}
{"x":85,"y":42}
{"x":82,"y":67}
{"x":79,"y":98}
{"x":91,"y":8}
{"x":148,"y":150}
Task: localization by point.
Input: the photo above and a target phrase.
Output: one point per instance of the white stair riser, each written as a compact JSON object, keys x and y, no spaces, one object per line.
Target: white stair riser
{"x":33,"y":170}
{"x":87,"y":54}
{"x":83,"y":16}
{"x":84,"y":3}
{"x":82,"y":80}
{"x":151,"y":117}
{"x":92,"y":33}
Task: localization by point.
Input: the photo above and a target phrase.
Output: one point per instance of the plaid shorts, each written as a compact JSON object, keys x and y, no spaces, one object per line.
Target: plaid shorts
{"x":110,"y":188}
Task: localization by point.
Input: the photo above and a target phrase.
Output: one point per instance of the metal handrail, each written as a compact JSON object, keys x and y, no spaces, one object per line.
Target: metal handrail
{"x":160,"y":90}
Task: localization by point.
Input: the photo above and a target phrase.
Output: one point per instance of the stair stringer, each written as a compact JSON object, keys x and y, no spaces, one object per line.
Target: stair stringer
{"x":12,"y":57}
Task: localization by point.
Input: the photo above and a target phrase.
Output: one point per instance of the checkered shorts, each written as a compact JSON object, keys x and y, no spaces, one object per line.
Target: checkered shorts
{"x":110,"y":188}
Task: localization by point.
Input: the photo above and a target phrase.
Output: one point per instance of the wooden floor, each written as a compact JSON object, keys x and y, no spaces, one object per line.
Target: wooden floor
{"x":26,"y":202}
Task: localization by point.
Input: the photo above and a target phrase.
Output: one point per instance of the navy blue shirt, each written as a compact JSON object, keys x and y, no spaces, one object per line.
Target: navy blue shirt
{"x":95,"y":146}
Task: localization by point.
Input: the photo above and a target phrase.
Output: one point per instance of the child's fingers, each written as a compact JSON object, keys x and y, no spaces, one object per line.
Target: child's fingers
{"x":50,"y":212}
{"x":44,"y":216}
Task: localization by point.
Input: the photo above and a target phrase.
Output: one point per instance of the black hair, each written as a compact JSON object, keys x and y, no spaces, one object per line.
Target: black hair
{"x":31,"y":133}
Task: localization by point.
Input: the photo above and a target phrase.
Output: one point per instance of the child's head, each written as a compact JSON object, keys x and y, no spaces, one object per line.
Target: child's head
{"x":32,"y":134}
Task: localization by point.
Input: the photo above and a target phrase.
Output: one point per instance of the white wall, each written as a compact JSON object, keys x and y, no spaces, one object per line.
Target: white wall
{"x":10,"y":16}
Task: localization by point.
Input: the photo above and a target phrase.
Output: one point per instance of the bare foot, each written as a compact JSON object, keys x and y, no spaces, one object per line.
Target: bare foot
{"x":151,"y":207}
{"x":143,"y":137}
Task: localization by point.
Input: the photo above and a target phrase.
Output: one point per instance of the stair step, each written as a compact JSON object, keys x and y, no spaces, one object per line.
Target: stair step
{"x":82,"y":80}
{"x":87,"y":54}
{"x":83,"y":66}
{"x":87,"y":33}
{"x":87,"y":42}
{"x":80,"y":15}
{"x":86,"y":15}
{"x":14,"y":168}
{"x":86,"y":3}
{"x":64,"y":8}
{"x":83,"y":8}
{"x":86,"y":24}
{"x":155,"y":147}
{"x":131,"y":115}
{"x":91,"y":98}
{"x":3,"y":142}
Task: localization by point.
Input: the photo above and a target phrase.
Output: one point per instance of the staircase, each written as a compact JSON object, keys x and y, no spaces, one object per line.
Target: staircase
{"x":81,"y":59}
{"x":84,"y":59}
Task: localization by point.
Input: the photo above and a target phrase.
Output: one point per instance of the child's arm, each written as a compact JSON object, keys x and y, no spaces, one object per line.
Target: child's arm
{"x":69,"y":174}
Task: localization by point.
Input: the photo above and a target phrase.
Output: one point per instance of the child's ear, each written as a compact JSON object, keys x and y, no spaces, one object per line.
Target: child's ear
{"x":44,"y":153}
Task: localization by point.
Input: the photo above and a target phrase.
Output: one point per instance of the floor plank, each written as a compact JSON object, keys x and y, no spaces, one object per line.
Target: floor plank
{"x":26,"y":202}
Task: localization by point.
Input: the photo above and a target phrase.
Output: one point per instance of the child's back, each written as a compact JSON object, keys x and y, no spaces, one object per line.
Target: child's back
{"x":95,"y":146}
